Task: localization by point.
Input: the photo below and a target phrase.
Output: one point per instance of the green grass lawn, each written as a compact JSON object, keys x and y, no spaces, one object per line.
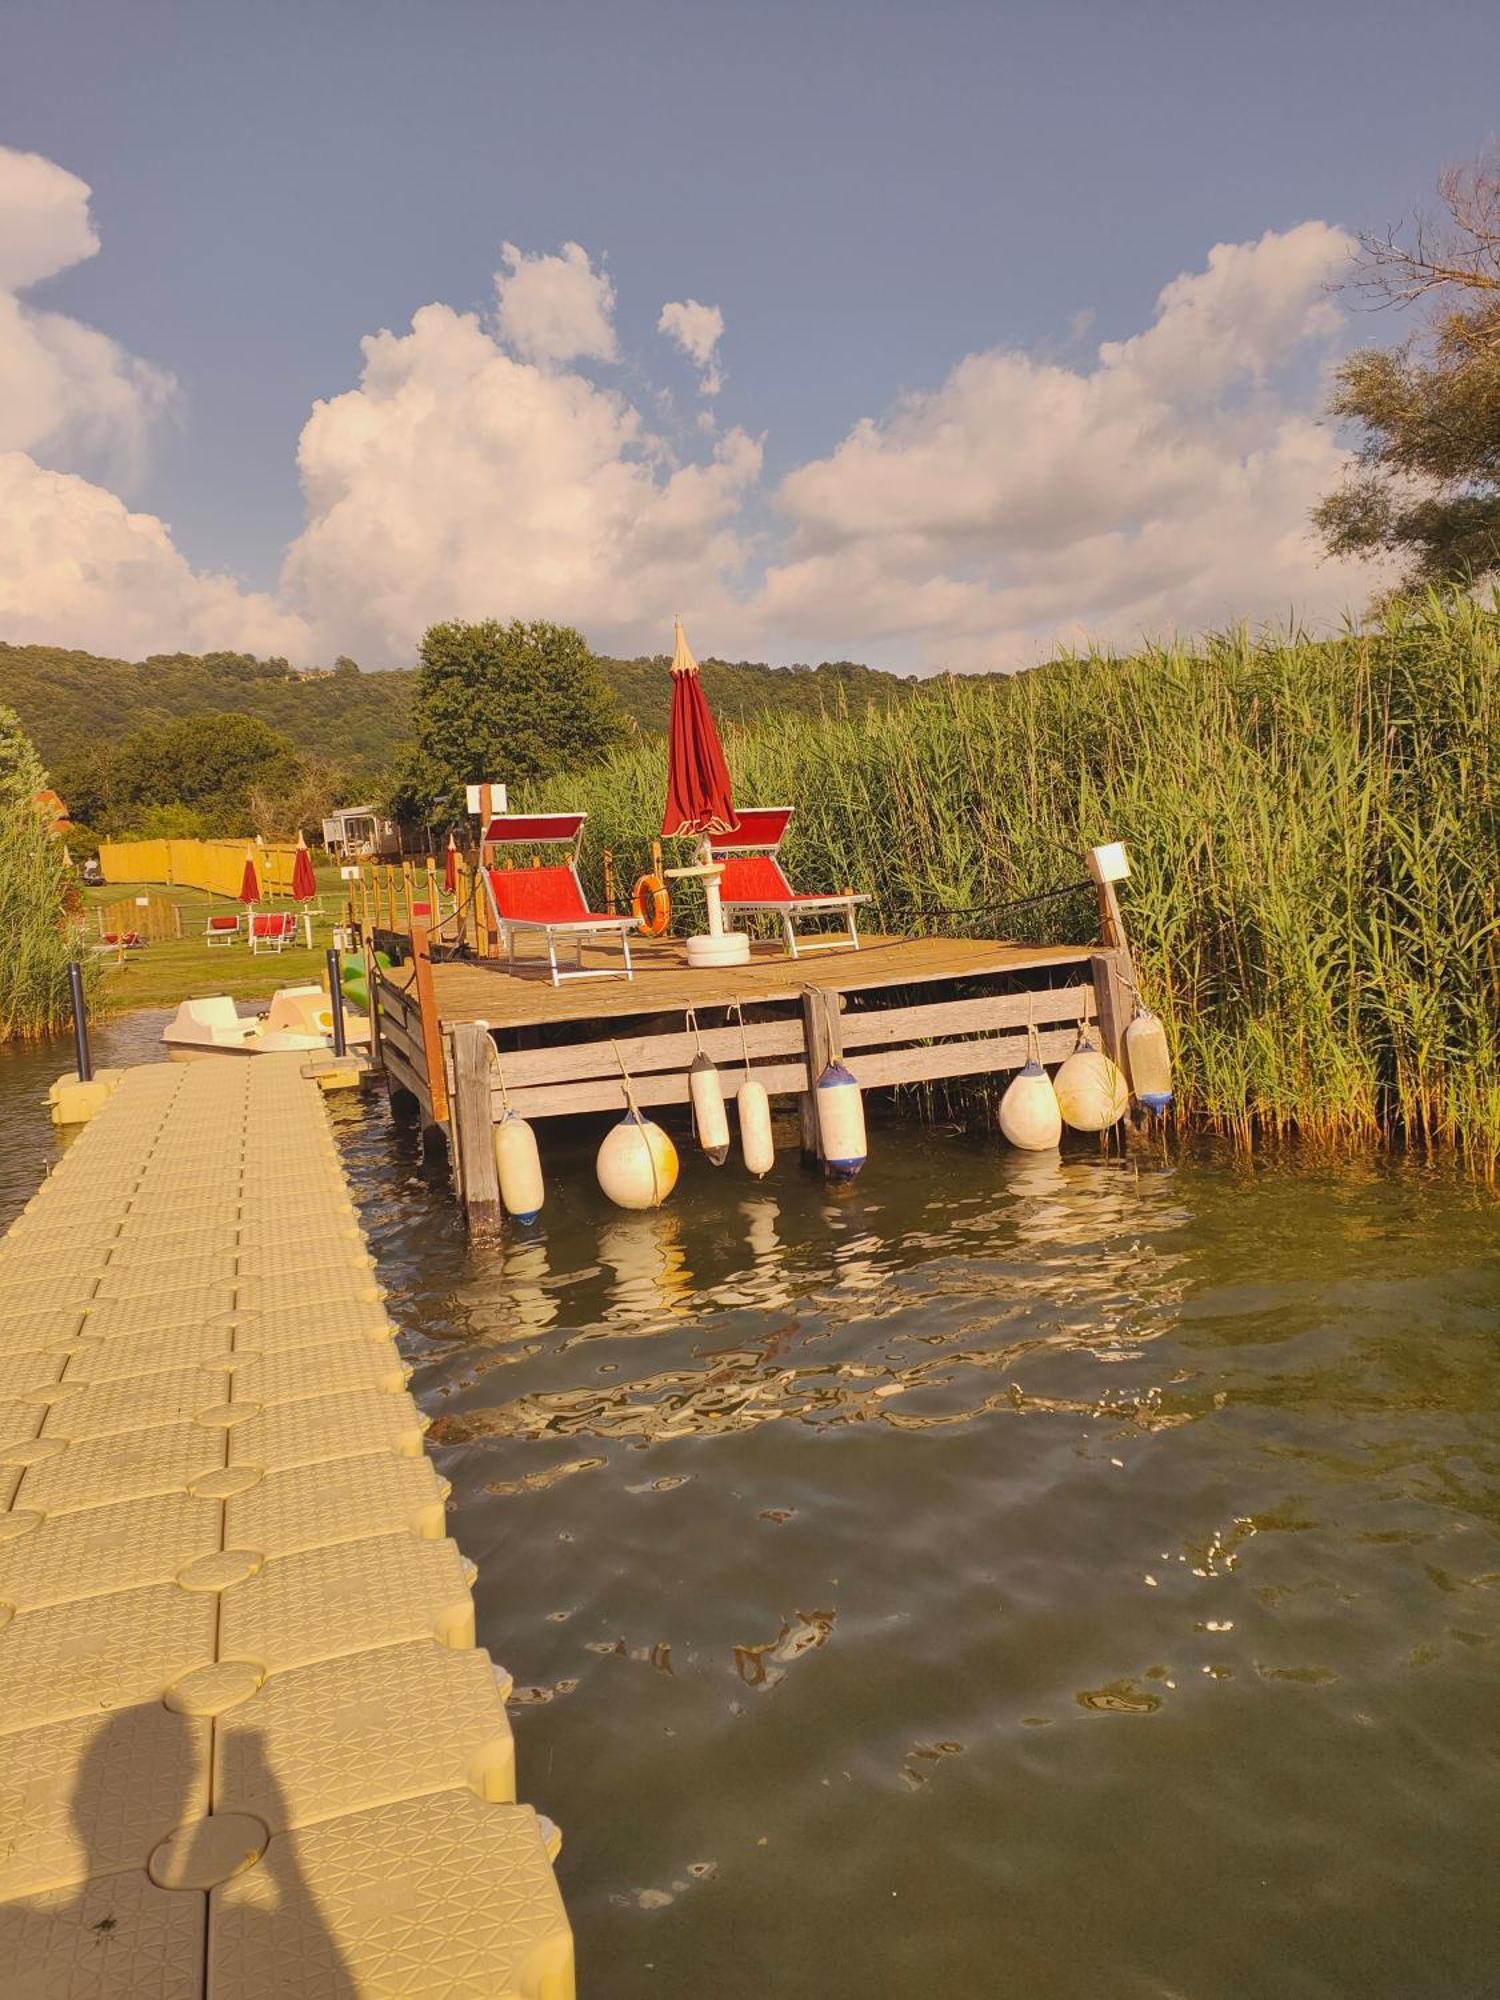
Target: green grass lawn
{"x":188,"y":968}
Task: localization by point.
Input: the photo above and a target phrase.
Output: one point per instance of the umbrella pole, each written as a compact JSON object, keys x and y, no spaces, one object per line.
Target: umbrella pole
{"x":711,"y":889}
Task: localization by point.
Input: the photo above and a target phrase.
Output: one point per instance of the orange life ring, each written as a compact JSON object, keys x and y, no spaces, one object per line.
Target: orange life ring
{"x":650,"y":902}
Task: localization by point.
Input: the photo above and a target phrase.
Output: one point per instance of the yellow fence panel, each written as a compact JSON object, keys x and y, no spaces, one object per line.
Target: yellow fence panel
{"x":215,"y":865}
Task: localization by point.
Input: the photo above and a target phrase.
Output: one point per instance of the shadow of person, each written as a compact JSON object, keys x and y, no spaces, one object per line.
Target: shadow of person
{"x":111,"y":1850}
{"x":268,"y":1931}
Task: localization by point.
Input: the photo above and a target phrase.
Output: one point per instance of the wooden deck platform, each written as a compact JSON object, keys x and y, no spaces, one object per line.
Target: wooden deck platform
{"x":664,"y":982}
{"x":248,"y":1747}
{"x":463,"y":1039}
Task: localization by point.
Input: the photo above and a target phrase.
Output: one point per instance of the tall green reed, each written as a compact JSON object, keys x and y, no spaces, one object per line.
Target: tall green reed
{"x":1314,"y":830}
{"x":36,"y":943}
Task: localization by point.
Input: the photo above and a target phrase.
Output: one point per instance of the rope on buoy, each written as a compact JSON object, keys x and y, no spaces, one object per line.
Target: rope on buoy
{"x":738,"y":1007}
{"x":635,"y":1112}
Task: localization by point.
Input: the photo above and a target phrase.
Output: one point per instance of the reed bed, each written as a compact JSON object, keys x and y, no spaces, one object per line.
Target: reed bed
{"x":1314,"y":840}
{"x":36,"y":943}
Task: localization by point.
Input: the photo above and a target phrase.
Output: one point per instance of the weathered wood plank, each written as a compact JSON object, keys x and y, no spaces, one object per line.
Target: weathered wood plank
{"x":665,"y":983}
{"x":473,"y":1147}
{"x":431,"y":1024}
{"x":575,"y":1062}
{"x":979,"y":1057}
{"x":557,"y":1100}
{"x":878,"y":1027}
{"x":400,"y":1072}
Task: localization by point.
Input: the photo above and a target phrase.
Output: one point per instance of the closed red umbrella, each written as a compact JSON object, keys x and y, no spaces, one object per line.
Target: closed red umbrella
{"x":450,"y":867}
{"x":699,"y":800}
{"x":249,"y":885}
{"x":304,"y":882}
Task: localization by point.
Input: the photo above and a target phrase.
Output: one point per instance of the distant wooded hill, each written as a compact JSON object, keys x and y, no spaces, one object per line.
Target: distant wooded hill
{"x":70,"y":702}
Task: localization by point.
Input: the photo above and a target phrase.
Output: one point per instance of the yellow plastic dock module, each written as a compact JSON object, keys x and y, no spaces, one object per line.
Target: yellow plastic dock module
{"x":223,"y":1570}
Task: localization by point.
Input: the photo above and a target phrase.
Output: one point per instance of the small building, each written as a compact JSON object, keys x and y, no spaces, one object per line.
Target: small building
{"x":361,"y":833}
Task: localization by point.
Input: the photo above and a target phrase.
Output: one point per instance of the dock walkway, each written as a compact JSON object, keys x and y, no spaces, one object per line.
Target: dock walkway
{"x":247,"y":1744}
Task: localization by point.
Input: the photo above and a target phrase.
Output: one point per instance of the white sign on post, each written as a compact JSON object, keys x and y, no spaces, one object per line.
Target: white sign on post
{"x":349,"y":874}
{"x":497,"y":798}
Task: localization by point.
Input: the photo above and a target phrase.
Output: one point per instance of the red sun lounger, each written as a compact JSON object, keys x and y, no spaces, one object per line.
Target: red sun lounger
{"x":550,"y":900}
{"x":272,"y":930}
{"x":753,"y":880}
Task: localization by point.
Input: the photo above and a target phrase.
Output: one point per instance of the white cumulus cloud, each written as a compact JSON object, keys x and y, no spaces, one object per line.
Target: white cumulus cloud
{"x":474,"y":470}
{"x":555,"y":309}
{"x":697,"y":330}
{"x":458,"y":481}
{"x":1024,"y":503}
{"x":66,"y":390}
{"x":77,"y":567}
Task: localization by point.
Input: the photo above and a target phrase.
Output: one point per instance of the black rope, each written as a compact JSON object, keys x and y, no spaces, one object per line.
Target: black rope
{"x":991,"y":909}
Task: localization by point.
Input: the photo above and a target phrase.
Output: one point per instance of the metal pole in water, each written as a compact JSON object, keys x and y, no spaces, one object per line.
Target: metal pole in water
{"x":336,"y":1004}
{"x":81,"y":1054}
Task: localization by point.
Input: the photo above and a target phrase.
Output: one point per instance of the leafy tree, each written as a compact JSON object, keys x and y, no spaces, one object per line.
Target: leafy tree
{"x":507,"y":702}
{"x":205,"y":763}
{"x":281,"y":811}
{"x":1427,"y":484}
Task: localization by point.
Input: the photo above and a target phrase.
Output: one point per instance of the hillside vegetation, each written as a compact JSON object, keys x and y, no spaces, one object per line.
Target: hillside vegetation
{"x":71,"y":702}
{"x":1314,"y":831}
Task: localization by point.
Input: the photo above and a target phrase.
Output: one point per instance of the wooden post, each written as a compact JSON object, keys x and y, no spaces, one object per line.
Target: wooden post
{"x":372,"y":987}
{"x":1111,"y":1000}
{"x":408,"y":884}
{"x":822,"y":1044}
{"x":473,"y":1130}
{"x":432,"y":1038}
{"x":1111,"y":923}
{"x":608,"y":860}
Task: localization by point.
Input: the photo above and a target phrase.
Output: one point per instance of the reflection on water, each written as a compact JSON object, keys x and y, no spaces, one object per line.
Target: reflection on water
{"x":1052,"y":1577}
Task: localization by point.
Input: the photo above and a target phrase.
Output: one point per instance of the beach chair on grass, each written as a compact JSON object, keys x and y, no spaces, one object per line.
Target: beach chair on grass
{"x":222,"y":927}
{"x":549,"y":900}
{"x":753,"y":881}
{"x":272,"y":930}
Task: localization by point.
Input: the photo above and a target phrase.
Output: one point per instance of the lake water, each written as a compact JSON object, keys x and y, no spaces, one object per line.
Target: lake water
{"x":1071,"y":1579}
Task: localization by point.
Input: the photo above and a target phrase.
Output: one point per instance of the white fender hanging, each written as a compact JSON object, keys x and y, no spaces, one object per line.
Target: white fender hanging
{"x":710,"y":1119}
{"x":519,"y":1165}
{"x":709,"y":1114}
{"x":754,"y":1109}
{"x":1149,"y":1061}
{"x":1091,"y":1093}
{"x":1029,"y":1116}
{"x":756,"y":1143}
{"x":841,"y":1123}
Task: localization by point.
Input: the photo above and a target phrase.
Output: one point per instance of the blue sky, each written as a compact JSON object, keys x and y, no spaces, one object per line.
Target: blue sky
{"x":868,"y":194}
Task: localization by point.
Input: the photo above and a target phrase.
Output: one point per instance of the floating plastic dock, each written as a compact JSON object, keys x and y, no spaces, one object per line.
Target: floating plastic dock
{"x":248,"y":1747}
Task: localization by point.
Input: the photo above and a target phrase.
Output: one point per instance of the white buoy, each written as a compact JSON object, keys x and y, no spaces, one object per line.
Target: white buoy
{"x":637,"y":1163}
{"x":1091,"y":1093}
{"x":519,"y":1166}
{"x":756,"y":1143}
{"x":1029,"y":1116}
{"x":1149,"y":1061}
{"x":709,"y":1115}
{"x":841,"y":1123}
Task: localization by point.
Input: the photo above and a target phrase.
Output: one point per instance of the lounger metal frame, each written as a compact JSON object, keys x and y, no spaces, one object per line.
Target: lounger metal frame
{"x":792,"y":905}
{"x":539,"y":830}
